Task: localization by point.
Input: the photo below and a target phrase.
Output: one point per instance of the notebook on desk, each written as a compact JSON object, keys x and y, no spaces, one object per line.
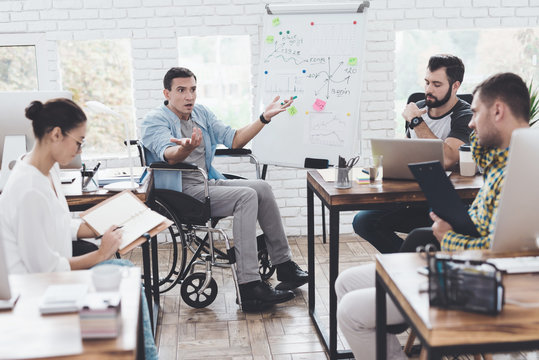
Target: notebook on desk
{"x":398,"y":153}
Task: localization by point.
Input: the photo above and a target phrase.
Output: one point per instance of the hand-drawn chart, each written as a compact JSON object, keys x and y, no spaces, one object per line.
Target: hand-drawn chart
{"x":318,"y":59}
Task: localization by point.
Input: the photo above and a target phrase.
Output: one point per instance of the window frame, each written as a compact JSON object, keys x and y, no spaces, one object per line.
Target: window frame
{"x":39,"y":42}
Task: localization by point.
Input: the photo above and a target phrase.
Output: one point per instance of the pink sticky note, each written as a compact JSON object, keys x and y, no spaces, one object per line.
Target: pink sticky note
{"x":319,"y":105}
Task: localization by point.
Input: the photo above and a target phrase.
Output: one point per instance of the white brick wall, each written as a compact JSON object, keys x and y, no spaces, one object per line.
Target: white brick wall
{"x":153,"y":26}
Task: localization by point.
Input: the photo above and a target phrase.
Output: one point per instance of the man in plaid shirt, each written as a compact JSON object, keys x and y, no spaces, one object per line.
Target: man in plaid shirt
{"x":501,"y":104}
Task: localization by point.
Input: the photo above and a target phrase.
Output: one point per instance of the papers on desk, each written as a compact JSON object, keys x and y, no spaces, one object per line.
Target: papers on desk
{"x":62,"y":298}
{"x":357,"y":174}
{"x":108,"y":176}
{"x":100,"y":315}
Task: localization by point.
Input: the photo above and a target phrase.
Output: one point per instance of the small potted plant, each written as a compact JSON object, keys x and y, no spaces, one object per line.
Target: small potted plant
{"x":534,"y":104}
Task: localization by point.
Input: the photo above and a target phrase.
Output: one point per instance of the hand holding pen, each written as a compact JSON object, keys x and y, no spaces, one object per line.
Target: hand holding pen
{"x":110,"y":241}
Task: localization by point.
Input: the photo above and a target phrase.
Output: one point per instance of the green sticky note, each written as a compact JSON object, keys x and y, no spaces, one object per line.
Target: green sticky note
{"x":276,"y":21}
{"x":292,"y":110}
{"x":270,"y":39}
{"x":352,"y":61}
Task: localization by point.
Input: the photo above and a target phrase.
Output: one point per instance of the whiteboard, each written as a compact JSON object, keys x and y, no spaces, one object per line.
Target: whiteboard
{"x":317,"y":57}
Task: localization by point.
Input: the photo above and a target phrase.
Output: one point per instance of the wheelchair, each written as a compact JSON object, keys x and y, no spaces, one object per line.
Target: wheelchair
{"x":194,"y":231}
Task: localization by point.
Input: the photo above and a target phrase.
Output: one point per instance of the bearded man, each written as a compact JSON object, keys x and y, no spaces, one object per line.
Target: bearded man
{"x":442,"y":115}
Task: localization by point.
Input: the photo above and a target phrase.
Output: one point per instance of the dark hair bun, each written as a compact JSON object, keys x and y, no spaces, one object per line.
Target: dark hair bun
{"x":33,"y":110}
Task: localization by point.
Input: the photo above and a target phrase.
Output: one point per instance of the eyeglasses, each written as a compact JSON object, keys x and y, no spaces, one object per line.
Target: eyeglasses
{"x":80,"y":144}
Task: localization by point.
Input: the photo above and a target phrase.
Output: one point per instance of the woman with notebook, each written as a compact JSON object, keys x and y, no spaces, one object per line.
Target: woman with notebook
{"x":36,"y":227}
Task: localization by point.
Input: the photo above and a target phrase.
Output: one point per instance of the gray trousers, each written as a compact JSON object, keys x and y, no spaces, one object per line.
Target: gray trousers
{"x":248,"y":201}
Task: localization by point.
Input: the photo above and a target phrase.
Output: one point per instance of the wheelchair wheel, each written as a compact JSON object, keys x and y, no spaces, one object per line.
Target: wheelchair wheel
{"x":190,"y":287}
{"x":172,"y":250}
{"x":265,"y":267}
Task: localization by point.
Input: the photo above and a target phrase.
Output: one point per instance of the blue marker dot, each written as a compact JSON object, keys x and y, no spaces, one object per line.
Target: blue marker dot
{"x":266,"y":72}
{"x":304,"y":71}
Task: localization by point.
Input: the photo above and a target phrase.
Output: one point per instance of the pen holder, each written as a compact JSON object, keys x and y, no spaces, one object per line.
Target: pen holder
{"x":342,"y":178}
{"x":89,"y":180}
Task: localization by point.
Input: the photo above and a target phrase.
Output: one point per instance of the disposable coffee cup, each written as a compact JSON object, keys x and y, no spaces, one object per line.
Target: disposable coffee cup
{"x":466,"y":162}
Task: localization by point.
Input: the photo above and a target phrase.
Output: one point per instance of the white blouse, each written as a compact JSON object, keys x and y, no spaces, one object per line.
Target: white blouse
{"x":35,"y":224}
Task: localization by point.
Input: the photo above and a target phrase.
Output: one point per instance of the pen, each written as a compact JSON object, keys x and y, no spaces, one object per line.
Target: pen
{"x":365,"y":171}
{"x":97,"y":166}
{"x":100,"y":236}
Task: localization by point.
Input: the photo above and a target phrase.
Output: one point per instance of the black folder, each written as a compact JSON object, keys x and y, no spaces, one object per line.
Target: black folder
{"x":442,"y":196}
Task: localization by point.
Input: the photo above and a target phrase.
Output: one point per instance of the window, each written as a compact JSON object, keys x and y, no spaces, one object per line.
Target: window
{"x":483,"y":51}
{"x":222,"y":65}
{"x":22,"y":58}
{"x":100,"y":70}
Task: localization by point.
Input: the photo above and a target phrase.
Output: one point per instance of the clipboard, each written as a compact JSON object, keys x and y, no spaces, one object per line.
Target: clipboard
{"x":442,"y":196}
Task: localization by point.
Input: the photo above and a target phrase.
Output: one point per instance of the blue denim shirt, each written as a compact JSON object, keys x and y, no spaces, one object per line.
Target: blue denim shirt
{"x":161,"y":124}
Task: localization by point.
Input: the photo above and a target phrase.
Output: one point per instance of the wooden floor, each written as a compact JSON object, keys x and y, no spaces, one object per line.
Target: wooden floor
{"x":285,"y":332}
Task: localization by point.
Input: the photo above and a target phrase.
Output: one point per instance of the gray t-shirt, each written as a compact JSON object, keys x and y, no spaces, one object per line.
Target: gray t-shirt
{"x":197,"y":156}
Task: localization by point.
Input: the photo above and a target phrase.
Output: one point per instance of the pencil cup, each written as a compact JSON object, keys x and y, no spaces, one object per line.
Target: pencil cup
{"x":89,"y":180}
{"x":342,"y":178}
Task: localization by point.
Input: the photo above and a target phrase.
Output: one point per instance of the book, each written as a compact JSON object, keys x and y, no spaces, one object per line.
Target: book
{"x":128,"y":211}
{"x":62,"y":298}
{"x":100,"y":315}
{"x":108,"y":176}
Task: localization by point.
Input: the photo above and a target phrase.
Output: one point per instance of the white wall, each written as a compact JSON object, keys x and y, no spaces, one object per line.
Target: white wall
{"x":154,"y":26}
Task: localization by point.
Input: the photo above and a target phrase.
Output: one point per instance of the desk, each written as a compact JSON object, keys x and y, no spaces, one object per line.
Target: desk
{"x":359,"y":197}
{"x":79,"y":201}
{"x":27,"y":334}
{"x":450,"y":331}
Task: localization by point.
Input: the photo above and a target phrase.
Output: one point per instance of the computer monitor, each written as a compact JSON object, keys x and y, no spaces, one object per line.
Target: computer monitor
{"x":14,"y":122}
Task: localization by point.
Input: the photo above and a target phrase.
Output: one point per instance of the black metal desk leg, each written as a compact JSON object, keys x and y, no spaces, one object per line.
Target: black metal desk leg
{"x":155,"y":274}
{"x":333,"y":273}
{"x":147,"y":279}
{"x":310,"y":248}
{"x":381,"y":321}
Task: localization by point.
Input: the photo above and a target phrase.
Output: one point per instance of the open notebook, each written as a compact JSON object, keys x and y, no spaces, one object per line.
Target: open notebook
{"x":126,"y":210}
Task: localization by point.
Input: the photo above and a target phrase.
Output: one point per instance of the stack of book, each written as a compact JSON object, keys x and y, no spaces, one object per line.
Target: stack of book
{"x":100,"y":315}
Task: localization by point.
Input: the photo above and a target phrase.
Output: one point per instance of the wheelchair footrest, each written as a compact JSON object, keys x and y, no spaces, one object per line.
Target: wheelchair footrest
{"x":231,"y":255}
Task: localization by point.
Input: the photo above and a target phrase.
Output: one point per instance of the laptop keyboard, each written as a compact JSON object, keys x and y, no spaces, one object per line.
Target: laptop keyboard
{"x":517,"y":265}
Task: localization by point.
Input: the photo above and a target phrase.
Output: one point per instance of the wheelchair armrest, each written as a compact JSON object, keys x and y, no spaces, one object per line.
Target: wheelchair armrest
{"x":161,"y":165}
{"x":240,"y":153}
{"x":232,"y":152}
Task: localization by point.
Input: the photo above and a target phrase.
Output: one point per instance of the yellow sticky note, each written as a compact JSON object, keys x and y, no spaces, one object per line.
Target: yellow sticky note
{"x":292,"y":110}
{"x":270,"y":39}
{"x":276,"y":21}
{"x":352,"y":61}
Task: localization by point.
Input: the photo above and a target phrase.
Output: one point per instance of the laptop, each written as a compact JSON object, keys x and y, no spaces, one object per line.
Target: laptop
{"x":7,"y":297}
{"x":398,"y":153}
{"x":517,"y":228}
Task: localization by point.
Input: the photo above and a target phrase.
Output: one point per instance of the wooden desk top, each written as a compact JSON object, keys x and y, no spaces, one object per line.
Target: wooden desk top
{"x":390,"y":191}
{"x":450,"y":327}
{"x":78,"y":200}
{"x":27,"y":334}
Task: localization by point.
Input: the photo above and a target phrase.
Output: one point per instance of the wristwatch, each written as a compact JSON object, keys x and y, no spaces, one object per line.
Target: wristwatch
{"x":414,"y":122}
{"x":264,"y":121}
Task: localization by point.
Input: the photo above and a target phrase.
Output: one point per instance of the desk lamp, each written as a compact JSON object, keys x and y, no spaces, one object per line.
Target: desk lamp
{"x":100,"y":108}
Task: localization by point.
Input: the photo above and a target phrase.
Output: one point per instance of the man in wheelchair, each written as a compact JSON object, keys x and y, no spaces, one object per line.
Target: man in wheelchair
{"x":180,"y":131}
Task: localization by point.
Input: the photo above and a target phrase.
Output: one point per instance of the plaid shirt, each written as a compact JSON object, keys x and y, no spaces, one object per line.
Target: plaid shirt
{"x":483,"y":209}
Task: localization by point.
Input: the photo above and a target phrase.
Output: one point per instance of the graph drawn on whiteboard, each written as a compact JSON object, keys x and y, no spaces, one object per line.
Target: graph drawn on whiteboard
{"x":316,"y":58}
{"x":326,"y":129}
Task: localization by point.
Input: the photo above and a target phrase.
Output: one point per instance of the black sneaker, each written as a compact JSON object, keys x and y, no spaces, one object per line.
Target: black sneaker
{"x":260,"y":295}
{"x":290,"y":275}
